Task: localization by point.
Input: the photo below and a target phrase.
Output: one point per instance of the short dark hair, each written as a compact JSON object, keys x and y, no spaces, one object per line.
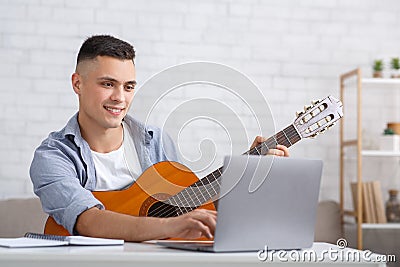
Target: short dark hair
{"x":105,"y":45}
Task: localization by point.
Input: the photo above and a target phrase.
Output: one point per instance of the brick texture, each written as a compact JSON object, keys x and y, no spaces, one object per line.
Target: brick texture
{"x":293,"y":50}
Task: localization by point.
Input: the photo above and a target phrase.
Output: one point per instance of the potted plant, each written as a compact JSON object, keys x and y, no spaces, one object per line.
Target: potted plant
{"x":395,"y":64}
{"x":378,"y":68}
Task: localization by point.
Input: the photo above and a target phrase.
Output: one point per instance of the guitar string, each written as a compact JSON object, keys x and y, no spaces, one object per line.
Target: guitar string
{"x":188,"y":207}
{"x":288,"y":133}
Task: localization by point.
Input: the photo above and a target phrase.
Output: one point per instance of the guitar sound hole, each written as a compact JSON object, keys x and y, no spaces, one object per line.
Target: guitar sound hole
{"x":162,"y":210}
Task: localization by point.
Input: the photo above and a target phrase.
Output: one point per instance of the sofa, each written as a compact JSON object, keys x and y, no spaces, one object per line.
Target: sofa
{"x":19,"y":216}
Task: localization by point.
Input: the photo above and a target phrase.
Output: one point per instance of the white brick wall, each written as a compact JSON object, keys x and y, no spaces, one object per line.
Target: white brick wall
{"x":293,"y":49}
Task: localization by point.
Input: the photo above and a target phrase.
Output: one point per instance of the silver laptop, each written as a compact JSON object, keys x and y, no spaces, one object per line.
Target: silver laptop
{"x":264,"y":202}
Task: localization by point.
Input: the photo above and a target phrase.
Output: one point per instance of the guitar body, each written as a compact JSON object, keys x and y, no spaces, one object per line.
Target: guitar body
{"x":157,"y":183}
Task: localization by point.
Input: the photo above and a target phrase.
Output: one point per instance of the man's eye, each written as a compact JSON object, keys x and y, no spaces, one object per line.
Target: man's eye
{"x":130,"y":87}
{"x":108,"y":84}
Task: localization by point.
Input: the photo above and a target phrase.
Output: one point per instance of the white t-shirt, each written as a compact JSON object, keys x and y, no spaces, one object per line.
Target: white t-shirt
{"x":117,"y":169}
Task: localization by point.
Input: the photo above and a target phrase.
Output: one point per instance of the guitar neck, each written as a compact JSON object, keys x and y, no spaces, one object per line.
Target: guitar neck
{"x":287,"y":137}
{"x":207,"y":189}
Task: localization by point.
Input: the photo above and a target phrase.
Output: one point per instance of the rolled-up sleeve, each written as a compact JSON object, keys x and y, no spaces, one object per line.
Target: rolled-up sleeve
{"x":55,"y":177}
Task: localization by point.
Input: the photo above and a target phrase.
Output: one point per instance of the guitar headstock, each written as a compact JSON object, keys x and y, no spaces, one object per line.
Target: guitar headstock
{"x":318,"y":117}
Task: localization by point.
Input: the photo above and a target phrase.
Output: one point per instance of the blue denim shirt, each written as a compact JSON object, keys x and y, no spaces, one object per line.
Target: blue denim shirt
{"x":63,"y":173}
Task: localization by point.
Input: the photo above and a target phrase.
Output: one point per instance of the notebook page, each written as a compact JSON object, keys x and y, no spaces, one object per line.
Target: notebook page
{"x":24,"y":242}
{"x":92,"y":241}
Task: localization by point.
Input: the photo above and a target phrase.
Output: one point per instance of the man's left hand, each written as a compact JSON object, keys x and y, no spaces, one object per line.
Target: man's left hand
{"x":280,"y":150}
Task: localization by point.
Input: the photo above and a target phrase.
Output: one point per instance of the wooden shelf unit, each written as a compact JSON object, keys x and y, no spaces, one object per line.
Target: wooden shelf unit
{"x":360,"y":153}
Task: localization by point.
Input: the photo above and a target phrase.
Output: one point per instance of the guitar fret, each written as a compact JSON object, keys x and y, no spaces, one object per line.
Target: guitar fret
{"x":286,"y":137}
{"x":264,"y":148}
{"x":180,"y":203}
{"x":176,"y":205}
{"x":282,"y":139}
{"x":275,"y":141}
{"x":191,"y":202}
{"x":219,"y":170}
{"x":208,"y":193}
{"x":204,"y":185}
{"x":200,"y":196}
{"x":215,"y":192}
{"x":295,"y":137}
{"x":194,"y":193}
{"x":253,"y":151}
{"x":186,"y":201}
{"x":201,"y":191}
{"x":206,"y":178}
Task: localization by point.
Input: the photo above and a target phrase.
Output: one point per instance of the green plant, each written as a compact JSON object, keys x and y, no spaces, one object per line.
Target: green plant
{"x":388,"y":131}
{"x":378,"y":65}
{"x":395,"y":63}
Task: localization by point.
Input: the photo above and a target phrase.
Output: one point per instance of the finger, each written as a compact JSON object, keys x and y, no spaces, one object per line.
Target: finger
{"x":276,"y":152}
{"x":258,"y":140}
{"x":207,"y":211}
{"x":284,"y":149}
{"x":207,"y":218}
{"x":198,"y":225}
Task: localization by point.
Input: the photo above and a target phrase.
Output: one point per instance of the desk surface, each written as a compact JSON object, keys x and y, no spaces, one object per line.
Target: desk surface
{"x":149,"y":254}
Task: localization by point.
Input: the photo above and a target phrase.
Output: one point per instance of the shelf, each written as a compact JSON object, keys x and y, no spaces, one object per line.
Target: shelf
{"x":380,"y":153}
{"x":381,"y":81}
{"x":354,"y":80}
{"x":380,"y":226}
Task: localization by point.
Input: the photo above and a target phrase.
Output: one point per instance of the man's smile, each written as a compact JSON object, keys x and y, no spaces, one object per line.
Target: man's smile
{"x":114,"y":110}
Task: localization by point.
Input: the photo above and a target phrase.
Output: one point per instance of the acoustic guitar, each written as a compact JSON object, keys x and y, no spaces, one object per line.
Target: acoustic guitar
{"x":169,"y":189}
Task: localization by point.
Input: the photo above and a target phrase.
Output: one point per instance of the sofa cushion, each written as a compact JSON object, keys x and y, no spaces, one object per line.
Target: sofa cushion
{"x":19,"y":216}
{"x":328,"y":228}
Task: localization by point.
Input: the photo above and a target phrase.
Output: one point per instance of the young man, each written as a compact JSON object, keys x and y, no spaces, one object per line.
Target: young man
{"x":90,"y":153}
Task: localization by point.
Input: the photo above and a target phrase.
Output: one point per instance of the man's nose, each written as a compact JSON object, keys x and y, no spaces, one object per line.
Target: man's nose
{"x":118,"y":94}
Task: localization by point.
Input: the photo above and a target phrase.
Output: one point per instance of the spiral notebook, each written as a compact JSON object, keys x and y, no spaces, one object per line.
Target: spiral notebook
{"x":43,"y":240}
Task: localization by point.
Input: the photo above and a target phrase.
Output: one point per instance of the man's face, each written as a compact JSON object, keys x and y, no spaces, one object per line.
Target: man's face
{"x":105,"y":87}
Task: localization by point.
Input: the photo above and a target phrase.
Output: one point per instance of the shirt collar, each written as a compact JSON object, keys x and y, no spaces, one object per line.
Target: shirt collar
{"x":72,"y":129}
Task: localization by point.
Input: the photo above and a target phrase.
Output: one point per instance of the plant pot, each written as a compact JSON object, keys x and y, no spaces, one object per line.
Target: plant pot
{"x":395,"y":126}
{"x":389,"y":142}
{"x":377,"y":74}
{"x":395,"y":74}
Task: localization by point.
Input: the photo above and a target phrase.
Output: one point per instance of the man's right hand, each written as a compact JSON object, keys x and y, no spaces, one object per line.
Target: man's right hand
{"x":195,"y":224}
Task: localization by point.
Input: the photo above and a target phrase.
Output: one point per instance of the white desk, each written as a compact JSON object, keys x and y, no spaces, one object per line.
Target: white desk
{"x":136,"y":254}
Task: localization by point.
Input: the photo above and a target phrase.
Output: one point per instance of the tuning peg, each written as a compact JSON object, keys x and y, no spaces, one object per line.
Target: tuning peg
{"x":314,"y":102}
{"x":299,"y":113}
{"x":307,"y":108}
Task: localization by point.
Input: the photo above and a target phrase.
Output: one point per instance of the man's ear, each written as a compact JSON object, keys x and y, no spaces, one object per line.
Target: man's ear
{"x":76,"y":83}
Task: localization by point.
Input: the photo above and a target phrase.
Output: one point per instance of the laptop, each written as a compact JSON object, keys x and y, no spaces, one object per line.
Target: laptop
{"x":264,"y":202}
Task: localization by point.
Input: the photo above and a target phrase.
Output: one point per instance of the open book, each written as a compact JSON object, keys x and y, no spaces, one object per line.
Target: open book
{"x":42,"y":240}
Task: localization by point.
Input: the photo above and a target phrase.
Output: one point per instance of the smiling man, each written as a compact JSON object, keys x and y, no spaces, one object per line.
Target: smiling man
{"x":91,"y":153}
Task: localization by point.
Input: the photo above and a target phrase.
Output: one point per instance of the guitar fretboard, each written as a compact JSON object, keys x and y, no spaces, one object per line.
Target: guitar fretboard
{"x":208,"y":188}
